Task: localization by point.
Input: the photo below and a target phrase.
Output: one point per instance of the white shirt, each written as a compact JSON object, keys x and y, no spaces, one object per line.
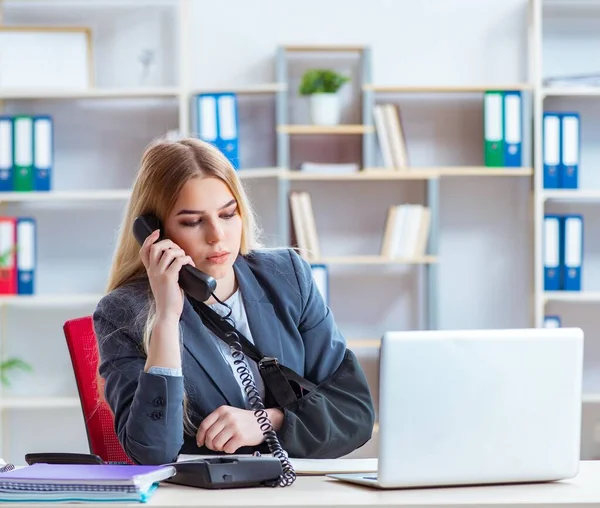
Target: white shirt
{"x":238,"y":315}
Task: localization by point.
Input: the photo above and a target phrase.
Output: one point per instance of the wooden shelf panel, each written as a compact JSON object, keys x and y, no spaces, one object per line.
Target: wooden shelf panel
{"x":59,"y":300}
{"x":572,"y":91}
{"x":14,"y":402}
{"x":75,"y":195}
{"x":92,"y":93}
{"x":263,"y":88}
{"x":372,"y":260}
{"x":572,"y":296}
{"x":441,"y":171}
{"x":324,"y":48}
{"x":445,"y":88}
{"x":591,"y":398}
{"x":571,"y":194}
{"x":260,"y":173}
{"x":367,"y":174}
{"x":325,"y":129}
{"x":364,"y":343}
{"x":484,"y":171}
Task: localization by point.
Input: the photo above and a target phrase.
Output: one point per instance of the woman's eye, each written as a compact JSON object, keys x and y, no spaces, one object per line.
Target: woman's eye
{"x":191,"y":224}
{"x":228,"y":215}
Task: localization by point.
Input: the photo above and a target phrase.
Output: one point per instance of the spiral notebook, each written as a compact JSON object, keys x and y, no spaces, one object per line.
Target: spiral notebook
{"x":82,"y":482}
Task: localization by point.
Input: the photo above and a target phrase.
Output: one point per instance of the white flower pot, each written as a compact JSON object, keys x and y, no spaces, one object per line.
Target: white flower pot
{"x":325,"y":108}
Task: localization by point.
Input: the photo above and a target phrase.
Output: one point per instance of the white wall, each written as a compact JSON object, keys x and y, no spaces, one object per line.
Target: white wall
{"x":485,"y":273}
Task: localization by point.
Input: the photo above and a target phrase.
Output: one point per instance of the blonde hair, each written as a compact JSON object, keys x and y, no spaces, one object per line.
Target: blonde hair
{"x":166,"y":166}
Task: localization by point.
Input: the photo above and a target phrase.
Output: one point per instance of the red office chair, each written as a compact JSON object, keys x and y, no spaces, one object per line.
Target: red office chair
{"x":99,"y":421}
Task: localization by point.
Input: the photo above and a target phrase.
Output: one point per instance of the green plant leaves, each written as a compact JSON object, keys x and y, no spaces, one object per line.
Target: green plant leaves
{"x":12,"y":364}
{"x":321,"y":81}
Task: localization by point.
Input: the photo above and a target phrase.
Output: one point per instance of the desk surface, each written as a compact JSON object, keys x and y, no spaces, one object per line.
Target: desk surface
{"x":319,"y":491}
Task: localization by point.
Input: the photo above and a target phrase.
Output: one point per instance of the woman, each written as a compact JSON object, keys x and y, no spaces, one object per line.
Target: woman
{"x":169,"y":381}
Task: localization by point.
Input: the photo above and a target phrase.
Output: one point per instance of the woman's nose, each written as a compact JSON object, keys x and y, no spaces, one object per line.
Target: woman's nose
{"x":214,"y":233}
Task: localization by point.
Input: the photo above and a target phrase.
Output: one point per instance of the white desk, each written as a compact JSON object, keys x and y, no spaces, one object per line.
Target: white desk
{"x":319,"y":491}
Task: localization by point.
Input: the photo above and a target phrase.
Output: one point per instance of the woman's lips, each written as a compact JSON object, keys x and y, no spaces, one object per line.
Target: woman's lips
{"x":218,"y":258}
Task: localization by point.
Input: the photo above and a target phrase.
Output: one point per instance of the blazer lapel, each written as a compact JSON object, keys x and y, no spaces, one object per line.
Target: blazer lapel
{"x":262,"y":320}
{"x":198,"y":341}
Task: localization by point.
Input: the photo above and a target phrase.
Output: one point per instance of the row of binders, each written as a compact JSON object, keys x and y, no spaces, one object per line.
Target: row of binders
{"x":406,"y":232}
{"x":503,"y":128}
{"x":561,"y":147}
{"x":562,"y":252}
{"x":216,"y":121}
{"x":26,"y":153}
{"x":18,"y":237}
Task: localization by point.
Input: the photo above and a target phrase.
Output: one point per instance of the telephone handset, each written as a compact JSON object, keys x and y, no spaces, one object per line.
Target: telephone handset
{"x":194,"y":282}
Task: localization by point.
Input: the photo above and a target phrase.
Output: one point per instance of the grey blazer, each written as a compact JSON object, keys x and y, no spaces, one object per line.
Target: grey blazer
{"x":288,"y":320}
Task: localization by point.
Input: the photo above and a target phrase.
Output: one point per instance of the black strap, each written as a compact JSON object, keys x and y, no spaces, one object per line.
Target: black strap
{"x":278,"y":378}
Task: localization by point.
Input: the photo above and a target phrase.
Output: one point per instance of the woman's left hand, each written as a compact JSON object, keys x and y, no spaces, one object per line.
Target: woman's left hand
{"x":228,"y":428}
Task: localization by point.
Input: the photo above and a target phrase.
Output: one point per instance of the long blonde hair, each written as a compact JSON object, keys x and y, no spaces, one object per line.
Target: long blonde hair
{"x":166,"y":166}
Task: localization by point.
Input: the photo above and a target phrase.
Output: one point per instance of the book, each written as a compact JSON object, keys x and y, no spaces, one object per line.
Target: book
{"x":82,"y":482}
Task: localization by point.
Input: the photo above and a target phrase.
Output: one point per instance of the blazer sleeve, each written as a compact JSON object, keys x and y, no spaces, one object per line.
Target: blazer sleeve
{"x":324,"y":344}
{"x":337,"y":416}
{"x":148,"y":408}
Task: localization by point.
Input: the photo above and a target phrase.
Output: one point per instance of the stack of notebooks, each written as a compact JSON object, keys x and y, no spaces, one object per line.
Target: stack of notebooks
{"x":82,"y":483}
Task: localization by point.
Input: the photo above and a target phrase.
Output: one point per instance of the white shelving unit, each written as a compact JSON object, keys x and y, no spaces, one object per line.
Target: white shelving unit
{"x":562,"y":39}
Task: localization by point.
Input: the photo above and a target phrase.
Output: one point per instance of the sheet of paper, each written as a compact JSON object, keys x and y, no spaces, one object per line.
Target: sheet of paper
{"x":329,"y":466}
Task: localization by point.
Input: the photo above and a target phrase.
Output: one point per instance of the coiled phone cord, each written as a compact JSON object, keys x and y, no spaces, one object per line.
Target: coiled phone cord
{"x":256,"y":404}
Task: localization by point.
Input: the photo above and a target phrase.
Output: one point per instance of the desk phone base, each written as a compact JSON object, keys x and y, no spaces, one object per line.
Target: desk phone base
{"x":227,"y":473}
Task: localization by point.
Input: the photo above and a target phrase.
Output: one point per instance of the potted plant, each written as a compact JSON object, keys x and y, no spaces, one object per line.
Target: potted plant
{"x":11,"y":364}
{"x":322,"y":86}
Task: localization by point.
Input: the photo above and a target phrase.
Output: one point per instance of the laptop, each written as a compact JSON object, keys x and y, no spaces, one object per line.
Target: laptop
{"x":473,"y":407}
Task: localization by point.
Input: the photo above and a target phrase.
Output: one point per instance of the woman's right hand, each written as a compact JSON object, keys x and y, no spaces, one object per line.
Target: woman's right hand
{"x":163,"y":261}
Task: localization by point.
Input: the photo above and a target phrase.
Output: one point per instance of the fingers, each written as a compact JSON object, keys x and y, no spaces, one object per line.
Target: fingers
{"x":167,"y":258}
{"x":233,"y":444}
{"x":178,"y":263}
{"x":206,"y":424}
{"x":158,"y":249}
{"x":217,"y":436}
{"x":145,"y":248}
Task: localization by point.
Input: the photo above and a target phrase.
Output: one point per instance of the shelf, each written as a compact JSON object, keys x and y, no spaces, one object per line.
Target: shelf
{"x":367,"y":174}
{"x":425,"y":173}
{"x":59,"y":300}
{"x":484,"y":171}
{"x":325,"y":129}
{"x":260,"y":173}
{"x":372,"y":260}
{"x":92,"y":93}
{"x":364,"y":343}
{"x":572,"y":296}
{"x":571,"y":91}
{"x":445,"y":88}
{"x":72,"y":195}
{"x":245,"y":89}
{"x":591,"y":398}
{"x":325,"y":48}
{"x":571,"y":195}
{"x":14,"y":402}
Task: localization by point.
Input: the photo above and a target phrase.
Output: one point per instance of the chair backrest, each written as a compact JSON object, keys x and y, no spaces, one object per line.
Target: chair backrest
{"x":99,"y":420}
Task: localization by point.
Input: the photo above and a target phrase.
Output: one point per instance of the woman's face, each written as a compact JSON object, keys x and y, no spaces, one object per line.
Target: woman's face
{"x":206,"y":224}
